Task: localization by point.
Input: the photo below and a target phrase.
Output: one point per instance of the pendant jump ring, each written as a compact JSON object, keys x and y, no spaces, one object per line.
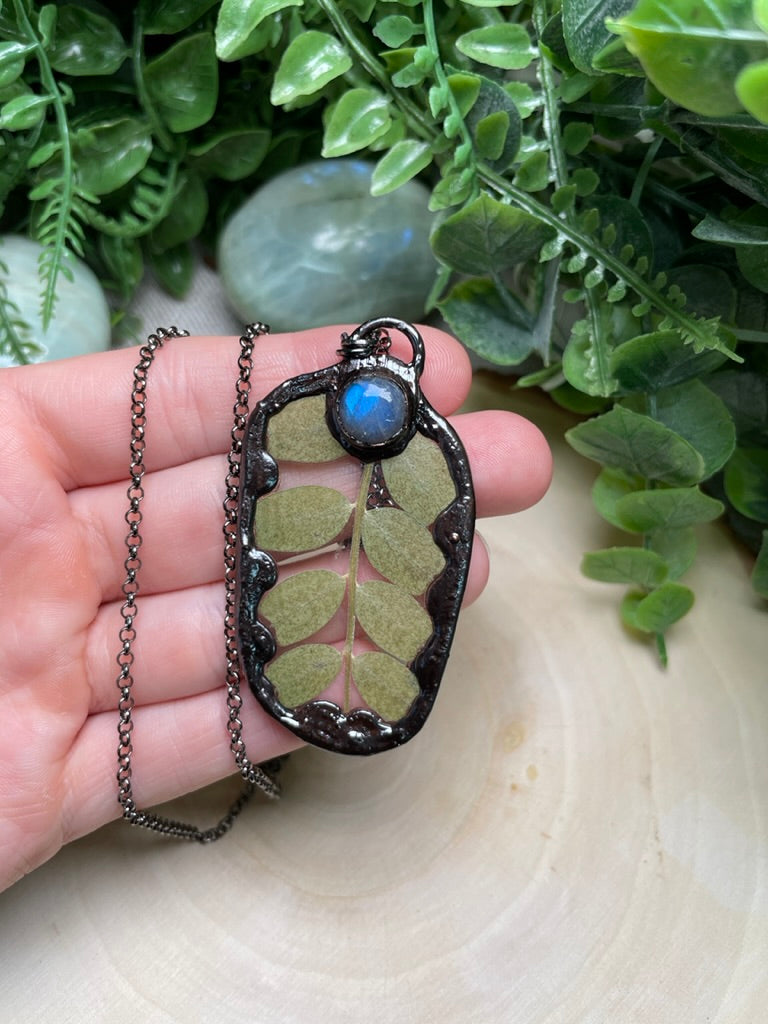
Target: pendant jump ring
{"x":365,"y":339}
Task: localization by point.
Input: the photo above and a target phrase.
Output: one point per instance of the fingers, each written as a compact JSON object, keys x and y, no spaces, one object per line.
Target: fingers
{"x":82,"y":406}
{"x":511,"y":467}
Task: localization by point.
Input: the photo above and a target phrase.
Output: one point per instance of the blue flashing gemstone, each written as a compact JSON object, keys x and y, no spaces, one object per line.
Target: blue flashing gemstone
{"x":372,"y":410}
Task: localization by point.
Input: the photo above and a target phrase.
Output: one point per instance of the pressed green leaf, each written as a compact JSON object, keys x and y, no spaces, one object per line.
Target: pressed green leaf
{"x":401,"y":549}
{"x":311,"y":61}
{"x":394,"y":30}
{"x":694,"y":412}
{"x":746,"y":482}
{"x":231,"y":155}
{"x":503,"y":45}
{"x":419,"y":479}
{"x":625,"y":565}
{"x":186,"y":217}
{"x":359,"y":118}
{"x":302,"y":604}
{"x":656,"y":612}
{"x":403,"y":162}
{"x":651,"y":362}
{"x":300,"y":518}
{"x":299,"y":433}
{"x":667,"y":508}
{"x":238,"y":22}
{"x":494,"y":123}
{"x":487,"y":235}
{"x":585,"y":31}
{"x":676,"y":547}
{"x":167,"y":17}
{"x":183,"y":82}
{"x":638,"y":444}
{"x":174,"y":268}
{"x":610,"y":487}
{"x":109,"y":154}
{"x":693,"y":52}
{"x":23,"y":112}
{"x":86,"y":43}
{"x":760,"y":571}
{"x":393,"y":620}
{"x":386,"y":685}
{"x":533,"y":173}
{"x":302,"y":673}
{"x":482,"y":321}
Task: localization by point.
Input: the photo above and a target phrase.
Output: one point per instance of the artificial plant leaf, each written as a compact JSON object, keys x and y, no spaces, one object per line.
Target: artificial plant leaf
{"x":301,"y":673}
{"x":638,"y":444}
{"x":676,"y":547}
{"x":657,"y":611}
{"x":734,"y":233}
{"x":661,"y":359}
{"x":385,"y":684}
{"x":494,"y":122}
{"x":23,"y":112}
{"x":186,"y":217}
{"x":479,"y":317}
{"x":760,"y":571}
{"x":586,"y":359}
{"x":419,"y":479}
{"x":610,"y":487}
{"x":13,"y":56}
{"x":746,"y":482}
{"x":311,"y":61}
{"x":124,"y":262}
{"x":625,"y":565}
{"x":465,"y":88}
{"x":630,"y":227}
{"x":109,"y":154}
{"x":183,"y":82}
{"x":505,"y":45}
{"x":359,"y":118}
{"x":753,"y":259}
{"x":238,"y":22}
{"x":300,"y":518}
{"x":231,"y":155}
{"x":666,"y":508}
{"x":401,"y":549}
{"x":488,"y":236}
{"x":394,"y":30}
{"x":585,"y":31}
{"x":299,"y":433}
{"x":695,"y":413}
{"x":174,"y":268}
{"x":302,"y":604}
{"x":692,"y":52}
{"x":745,"y":394}
{"x":533,"y":173}
{"x":393,"y":620}
{"x":708,"y":290}
{"x":167,"y":17}
{"x":401,"y":163}
{"x":85,"y":43}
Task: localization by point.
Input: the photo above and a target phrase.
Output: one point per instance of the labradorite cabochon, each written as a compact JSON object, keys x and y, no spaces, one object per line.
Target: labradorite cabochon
{"x":81,"y":321}
{"x":314,"y":247}
{"x":372,"y":409}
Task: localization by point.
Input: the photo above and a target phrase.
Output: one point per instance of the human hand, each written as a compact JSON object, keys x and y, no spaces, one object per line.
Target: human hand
{"x":64,"y":453}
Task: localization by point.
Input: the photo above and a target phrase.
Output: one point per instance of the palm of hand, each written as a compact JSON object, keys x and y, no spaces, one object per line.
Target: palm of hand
{"x":64,"y":434}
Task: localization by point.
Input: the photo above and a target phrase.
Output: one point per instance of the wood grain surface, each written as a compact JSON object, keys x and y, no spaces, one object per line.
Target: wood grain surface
{"x":576,"y":837}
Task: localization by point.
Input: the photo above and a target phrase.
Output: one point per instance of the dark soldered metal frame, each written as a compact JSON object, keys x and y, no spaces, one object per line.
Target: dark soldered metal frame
{"x":321,"y":721}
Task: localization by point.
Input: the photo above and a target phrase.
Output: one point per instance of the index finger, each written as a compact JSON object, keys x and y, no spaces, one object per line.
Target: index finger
{"x":82,"y":405}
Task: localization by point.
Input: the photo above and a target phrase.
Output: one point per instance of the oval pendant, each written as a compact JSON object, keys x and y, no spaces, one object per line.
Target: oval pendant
{"x":348,"y":597}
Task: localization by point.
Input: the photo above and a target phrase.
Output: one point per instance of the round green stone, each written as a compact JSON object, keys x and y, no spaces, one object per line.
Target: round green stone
{"x":314,"y":247}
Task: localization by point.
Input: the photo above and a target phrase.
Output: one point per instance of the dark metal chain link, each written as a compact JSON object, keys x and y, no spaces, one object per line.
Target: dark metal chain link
{"x":254,"y":776}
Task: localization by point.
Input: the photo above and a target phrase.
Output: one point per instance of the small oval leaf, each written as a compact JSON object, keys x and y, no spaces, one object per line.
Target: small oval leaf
{"x":673,"y":508}
{"x":299,"y":433}
{"x":419,"y":479}
{"x":302,"y":673}
{"x":386,"y":685}
{"x":359,"y":118}
{"x":393,"y":620}
{"x":401,"y":549}
{"x":311,"y":61}
{"x":401,"y":163}
{"x":303,"y":604}
{"x":300,"y":518}
{"x":503,"y":45}
{"x":662,"y":607}
{"x":625,"y":565}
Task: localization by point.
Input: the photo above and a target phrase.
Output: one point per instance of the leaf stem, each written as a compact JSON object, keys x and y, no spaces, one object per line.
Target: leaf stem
{"x":354,"y":565}
{"x":137,"y":58}
{"x":643,"y":172}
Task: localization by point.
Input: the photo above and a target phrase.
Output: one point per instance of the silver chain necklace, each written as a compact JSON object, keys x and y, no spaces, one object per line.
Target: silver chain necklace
{"x":254,"y":776}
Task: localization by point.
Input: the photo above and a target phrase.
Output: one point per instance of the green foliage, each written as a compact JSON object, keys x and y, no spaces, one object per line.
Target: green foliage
{"x":385,"y":529}
{"x":612,"y":154}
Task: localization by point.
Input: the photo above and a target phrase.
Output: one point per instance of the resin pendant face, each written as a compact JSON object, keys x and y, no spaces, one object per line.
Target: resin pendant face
{"x":348,"y":595}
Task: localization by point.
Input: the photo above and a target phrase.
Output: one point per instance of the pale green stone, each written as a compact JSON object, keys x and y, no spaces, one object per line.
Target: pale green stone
{"x":313,"y":247}
{"x":81,"y":321}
